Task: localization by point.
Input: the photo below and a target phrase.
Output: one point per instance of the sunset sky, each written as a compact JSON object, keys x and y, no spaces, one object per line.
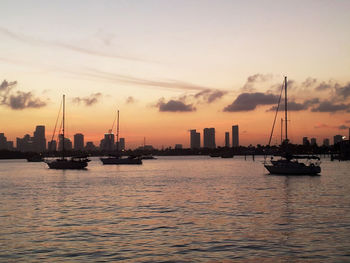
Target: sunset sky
{"x":171,"y":66}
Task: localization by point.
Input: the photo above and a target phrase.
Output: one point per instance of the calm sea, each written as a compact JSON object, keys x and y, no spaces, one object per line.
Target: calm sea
{"x":174,"y":209}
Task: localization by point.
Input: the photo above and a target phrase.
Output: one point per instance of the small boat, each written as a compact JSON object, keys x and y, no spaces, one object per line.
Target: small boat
{"x":35,"y":158}
{"x":121,"y":160}
{"x":226,"y":155}
{"x":117,"y":158}
{"x":290,"y":164}
{"x":77,"y":162}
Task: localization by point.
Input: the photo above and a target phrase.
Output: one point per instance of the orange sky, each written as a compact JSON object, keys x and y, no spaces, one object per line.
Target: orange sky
{"x":171,"y":67}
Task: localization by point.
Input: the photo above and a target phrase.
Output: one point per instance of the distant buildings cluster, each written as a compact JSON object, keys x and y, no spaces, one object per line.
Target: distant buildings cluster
{"x":209,"y":138}
{"x":38,"y":142}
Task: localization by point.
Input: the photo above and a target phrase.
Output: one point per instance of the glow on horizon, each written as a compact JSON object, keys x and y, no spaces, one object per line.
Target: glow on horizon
{"x":149,"y":50}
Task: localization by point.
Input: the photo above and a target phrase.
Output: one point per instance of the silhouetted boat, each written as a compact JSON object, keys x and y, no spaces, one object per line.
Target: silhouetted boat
{"x":289,"y":164}
{"x":226,"y":155}
{"x":121,"y":160}
{"x":35,"y":158}
{"x":78,"y":162}
{"x":117,"y":158}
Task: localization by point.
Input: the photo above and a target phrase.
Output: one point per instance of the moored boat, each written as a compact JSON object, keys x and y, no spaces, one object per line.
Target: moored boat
{"x":290,"y":164}
{"x":78,"y":162}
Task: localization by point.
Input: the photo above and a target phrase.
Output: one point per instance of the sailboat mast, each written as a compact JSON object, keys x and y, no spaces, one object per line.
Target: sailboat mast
{"x":63,"y":127}
{"x":118,"y":131}
{"x":285,"y":107}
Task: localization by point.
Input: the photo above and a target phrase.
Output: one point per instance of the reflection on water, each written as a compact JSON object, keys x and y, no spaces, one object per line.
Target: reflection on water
{"x":179,"y":209}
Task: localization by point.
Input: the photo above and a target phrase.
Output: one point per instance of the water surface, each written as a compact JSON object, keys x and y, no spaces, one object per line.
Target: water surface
{"x":175,"y":209}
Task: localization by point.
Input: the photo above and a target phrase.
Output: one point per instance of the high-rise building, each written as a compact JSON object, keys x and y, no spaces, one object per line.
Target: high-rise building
{"x":306,"y":141}
{"x":24,"y":144}
{"x":52,"y":146}
{"x":195,"y":139}
{"x":178,"y":146}
{"x":227,"y":139}
{"x":107,"y":144}
{"x":78,"y":142}
{"x":313,"y":141}
{"x":326,"y":142}
{"x":67,"y":143}
{"x":209,"y":138}
{"x":90,"y":146}
{"x":3,"y":141}
{"x":337,"y":138}
{"x":235,"y":136}
{"x":121,"y":144}
{"x":39,"y":140}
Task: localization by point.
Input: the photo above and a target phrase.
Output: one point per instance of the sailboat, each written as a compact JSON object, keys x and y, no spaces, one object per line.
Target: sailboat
{"x":290,"y":164}
{"x":118,"y":158}
{"x":77,"y":162}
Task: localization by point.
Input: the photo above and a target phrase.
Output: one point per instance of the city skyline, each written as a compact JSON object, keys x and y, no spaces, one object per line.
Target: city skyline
{"x":201,"y":64}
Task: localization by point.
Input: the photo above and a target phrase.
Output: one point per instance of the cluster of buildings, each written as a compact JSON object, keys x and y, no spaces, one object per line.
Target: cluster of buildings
{"x":209,"y":138}
{"x":326,"y":142}
{"x":37,"y":143}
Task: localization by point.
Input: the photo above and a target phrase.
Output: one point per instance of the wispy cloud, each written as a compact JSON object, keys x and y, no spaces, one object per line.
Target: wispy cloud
{"x":41,"y":42}
{"x":130,"y":100}
{"x":89,"y":100}
{"x":210,"y":95}
{"x":252,"y":80}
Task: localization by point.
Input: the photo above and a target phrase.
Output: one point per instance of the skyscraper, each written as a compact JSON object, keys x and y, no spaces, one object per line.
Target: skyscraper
{"x":107,"y":144}
{"x":121,"y":144}
{"x":306,"y":141}
{"x":78,"y":142}
{"x":209,"y":138}
{"x":227,"y":139}
{"x":3,"y":141}
{"x":39,"y":140}
{"x":52,"y":146}
{"x":313,"y":141}
{"x":337,"y":138}
{"x":235,"y":136}
{"x":67,"y":143}
{"x":326,"y":142}
{"x":195,"y":139}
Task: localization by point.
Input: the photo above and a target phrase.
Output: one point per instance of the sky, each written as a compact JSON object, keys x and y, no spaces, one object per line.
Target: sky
{"x":172,"y":66}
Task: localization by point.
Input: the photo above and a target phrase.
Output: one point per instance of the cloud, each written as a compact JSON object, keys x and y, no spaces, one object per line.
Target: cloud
{"x":249,"y":101}
{"x":210,"y":95}
{"x":22,"y":100}
{"x":344,"y":91}
{"x":18,"y":100}
{"x":295,"y":106}
{"x":174,"y":106}
{"x":130,"y":100}
{"x":321,"y":125}
{"x":40,"y":42}
{"x":343,"y":127}
{"x":327,"y":106}
{"x":324,"y":86}
{"x":256,"y":78}
{"x":89,"y":100}
{"x":309,"y":82}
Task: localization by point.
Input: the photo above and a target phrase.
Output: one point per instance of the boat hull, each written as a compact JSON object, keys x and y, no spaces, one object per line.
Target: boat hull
{"x":67,"y":164}
{"x":307,"y":170}
{"x":121,"y":161}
